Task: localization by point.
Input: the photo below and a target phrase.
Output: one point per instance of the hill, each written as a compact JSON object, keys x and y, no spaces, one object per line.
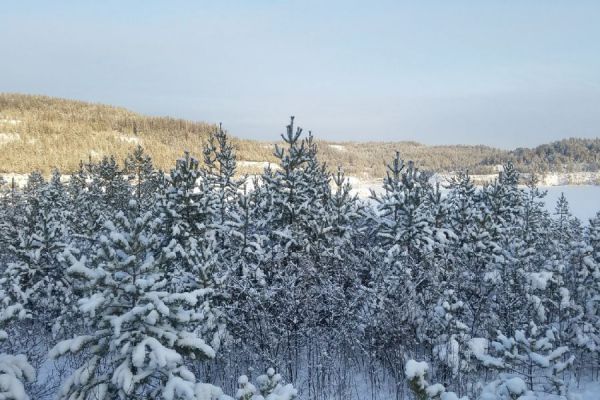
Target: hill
{"x":43,"y":133}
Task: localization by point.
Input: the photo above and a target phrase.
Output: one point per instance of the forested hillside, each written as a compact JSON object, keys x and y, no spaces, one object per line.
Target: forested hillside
{"x":130,"y":283}
{"x":567,"y":155}
{"x":43,"y":133}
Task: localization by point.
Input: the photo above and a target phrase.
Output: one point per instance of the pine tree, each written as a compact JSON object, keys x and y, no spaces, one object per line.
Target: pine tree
{"x":38,"y":271}
{"x":452,"y":343}
{"x":140,"y":172}
{"x":269,"y":385}
{"x":404,"y":232}
{"x":220,"y":174}
{"x":529,"y":360}
{"x":109,"y":178}
{"x":504,"y":202}
{"x":87,"y":207}
{"x":475,"y":251}
{"x":187,"y":209}
{"x":566,"y":228}
{"x":140,"y":332}
{"x":15,"y":370}
{"x":405,"y":225}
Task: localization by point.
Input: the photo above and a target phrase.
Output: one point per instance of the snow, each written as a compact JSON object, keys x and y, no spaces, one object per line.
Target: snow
{"x":89,"y":305}
{"x":435,"y":390}
{"x":539,"y":280}
{"x":588,"y":391}
{"x":129,"y":139}
{"x":13,"y":371}
{"x":69,"y":346}
{"x":451,"y":396}
{"x":123,"y":378}
{"x":9,"y":137}
{"x":193,"y":342}
{"x":478,"y":346}
{"x":150,"y":353}
{"x":178,"y":388}
{"x":338,"y":147}
{"x":10,"y":121}
{"x":259,"y":165}
{"x":287,"y":392}
{"x":516,"y":386}
{"x":415,"y":369}
{"x":205,"y":391}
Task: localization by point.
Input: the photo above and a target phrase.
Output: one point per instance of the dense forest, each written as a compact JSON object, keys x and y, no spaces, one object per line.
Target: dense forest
{"x":44,"y":133}
{"x":130,"y":283}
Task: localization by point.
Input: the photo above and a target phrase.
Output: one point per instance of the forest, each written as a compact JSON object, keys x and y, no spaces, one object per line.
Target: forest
{"x":46,"y":133}
{"x":126,"y":282}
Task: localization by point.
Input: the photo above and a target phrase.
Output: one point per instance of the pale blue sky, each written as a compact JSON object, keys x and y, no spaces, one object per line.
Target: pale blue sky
{"x":505,"y":73}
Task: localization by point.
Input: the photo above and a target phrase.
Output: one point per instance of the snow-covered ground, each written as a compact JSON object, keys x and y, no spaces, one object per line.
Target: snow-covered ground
{"x":588,"y":391}
{"x":551,"y":179}
{"x":129,"y":139}
{"x":338,"y":147}
{"x":257,"y":164}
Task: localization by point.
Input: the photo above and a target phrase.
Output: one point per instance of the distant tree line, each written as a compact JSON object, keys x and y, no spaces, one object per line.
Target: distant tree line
{"x":43,"y":133}
{"x":567,"y":155}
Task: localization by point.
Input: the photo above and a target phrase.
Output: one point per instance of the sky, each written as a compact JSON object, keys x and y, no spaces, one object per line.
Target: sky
{"x":505,"y":73}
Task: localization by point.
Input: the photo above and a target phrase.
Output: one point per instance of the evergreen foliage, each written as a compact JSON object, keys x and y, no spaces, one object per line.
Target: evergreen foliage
{"x":140,"y":284}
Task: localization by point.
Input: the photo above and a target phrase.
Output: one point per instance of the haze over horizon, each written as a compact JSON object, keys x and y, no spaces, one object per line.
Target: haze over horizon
{"x":504,"y":74}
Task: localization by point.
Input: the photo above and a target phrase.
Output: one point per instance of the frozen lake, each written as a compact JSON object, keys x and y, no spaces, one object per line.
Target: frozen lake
{"x":584,"y":200}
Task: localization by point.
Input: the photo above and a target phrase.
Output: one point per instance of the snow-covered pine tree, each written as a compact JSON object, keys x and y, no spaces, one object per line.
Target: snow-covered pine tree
{"x":530,"y":252}
{"x":475,"y":253}
{"x":442,"y":235}
{"x":15,"y":370}
{"x":451,"y":344}
{"x":593,"y":236}
{"x":220,"y":191}
{"x":87,"y":208}
{"x":566,"y":228}
{"x":504,"y":204}
{"x":140,"y":332}
{"x":35,"y":181}
{"x":187,"y":208}
{"x":290,"y":216}
{"x":220,"y":173}
{"x":270,"y":387}
{"x":295,"y":197}
{"x":462,"y":208}
{"x":563,"y":309}
{"x":108,"y":176}
{"x":11,"y":206}
{"x":588,"y":278}
{"x":143,"y":178}
{"x":405,"y":225}
{"x":528,"y":361}
{"x":35,"y":277}
{"x":37,"y":273}
{"x":505,"y":200}
{"x":533,"y":226}
{"x":416,"y":375}
{"x":344,"y":251}
{"x":581,"y":277}
{"x":403,"y":282}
